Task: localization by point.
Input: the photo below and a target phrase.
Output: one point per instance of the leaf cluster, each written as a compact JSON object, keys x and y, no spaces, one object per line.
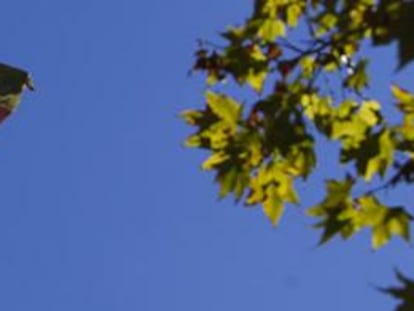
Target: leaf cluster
{"x":260,"y":150}
{"x":290,"y":52}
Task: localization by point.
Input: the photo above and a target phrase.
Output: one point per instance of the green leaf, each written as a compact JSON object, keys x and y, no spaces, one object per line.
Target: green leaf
{"x":405,"y":100}
{"x":224,"y":107}
{"x":256,"y":79}
{"x":284,"y":182}
{"x":308,"y":66}
{"x":405,"y":293}
{"x":384,"y":158}
{"x":301,"y":159}
{"x":193,"y":141}
{"x":278,"y":191}
{"x":192,"y":116}
{"x":384,"y":221}
{"x":294,"y":11}
{"x":272,"y":28}
{"x":346,"y":109}
{"x":398,"y":226}
{"x":326,"y":22}
{"x":266,"y":149}
{"x":215,"y":159}
{"x":257,"y":186}
{"x":404,"y":35}
{"x":337,"y":193}
{"x":359,"y":79}
{"x":352,"y":124}
{"x":273,"y":206}
{"x":247,"y":64}
{"x":394,"y":22}
{"x":234,"y":34}
{"x":336,"y":210}
{"x":373,"y":155}
{"x":332,"y":226}
{"x":232,"y":179}
{"x":320,"y":111}
{"x":351,"y":132}
{"x":369,"y":112}
{"x":342,"y":215}
{"x":272,"y":187}
{"x":256,"y":53}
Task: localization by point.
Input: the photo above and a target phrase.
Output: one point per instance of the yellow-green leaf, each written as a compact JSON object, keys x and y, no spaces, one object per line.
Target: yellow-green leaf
{"x":369,"y":112}
{"x":384,"y":158}
{"x":273,"y":206}
{"x":327,"y":21}
{"x":271,"y":29}
{"x":193,"y":141}
{"x":256,"y":79}
{"x":191,"y":116}
{"x":402,"y":95}
{"x":224,"y":107}
{"x":380,"y":236}
{"x":405,"y":99}
{"x":308,"y":66}
{"x":293,"y":13}
{"x":232,"y":180}
{"x":214,"y":160}
{"x":384,"y":221}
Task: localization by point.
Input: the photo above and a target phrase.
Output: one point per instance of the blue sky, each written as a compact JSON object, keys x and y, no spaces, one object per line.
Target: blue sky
{"x":101,"y":206}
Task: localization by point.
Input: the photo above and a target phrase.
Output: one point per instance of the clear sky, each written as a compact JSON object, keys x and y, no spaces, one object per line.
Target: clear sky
{"x":101,"y":206}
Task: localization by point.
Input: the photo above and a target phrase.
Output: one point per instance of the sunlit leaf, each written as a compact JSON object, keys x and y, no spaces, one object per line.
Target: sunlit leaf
{"x":256,"y":79}
{"x":405,"y":99}
{"x":191,"y":116}
{"x":273,"y":205}
{"x":380,"y":162}
{"x":271,"y":29}
{"x":232,"y":179}
{"x":384,"y":221}
{"x":336,"y":210}
{"x":369,"y":112}
{"x":224,"y":107}
{"x":214,"y":160}
{"x":359,"y":78}
{"x":293,"y":13}
{"x":305,"y":61}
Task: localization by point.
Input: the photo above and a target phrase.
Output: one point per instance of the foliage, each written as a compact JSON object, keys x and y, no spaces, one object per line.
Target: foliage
{"x":405,"y":293}
{"x":261,"y":148}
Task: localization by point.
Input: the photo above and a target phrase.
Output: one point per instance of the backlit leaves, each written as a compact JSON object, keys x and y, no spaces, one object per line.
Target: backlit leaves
{"x":384,"y":221}
{"x":405,"y":100}
{"x":310,"y":80}
{"x":309,"y":86}
{"x":271,"y":29}
{"x":405,"y":293}
{"x":293,"y":13}
{"x":335,"y":210}
{"x":224,"y":107}
{"x":344,"y":215}
{"x":247,"y":64}
{"x":216,"y":124}
{"x":273,"y":187}
{"x":358,"y":78}
{"x":373,"y":156}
